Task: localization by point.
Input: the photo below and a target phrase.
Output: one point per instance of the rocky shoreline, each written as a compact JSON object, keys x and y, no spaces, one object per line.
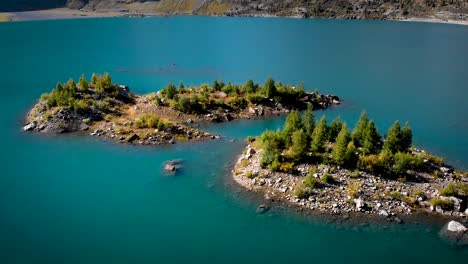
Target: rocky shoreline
{"x":366,"y":195}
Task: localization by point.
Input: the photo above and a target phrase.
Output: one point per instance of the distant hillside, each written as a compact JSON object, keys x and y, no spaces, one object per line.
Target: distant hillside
{"x":350,"y":9}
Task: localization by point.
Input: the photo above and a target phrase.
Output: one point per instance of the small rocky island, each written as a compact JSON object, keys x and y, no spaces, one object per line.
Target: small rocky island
{"x":332,"y":170}
{"x":101,"y":108}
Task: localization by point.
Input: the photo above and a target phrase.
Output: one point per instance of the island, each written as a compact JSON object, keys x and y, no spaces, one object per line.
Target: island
{"x":330,"y":169}
{"x":105,"y":109}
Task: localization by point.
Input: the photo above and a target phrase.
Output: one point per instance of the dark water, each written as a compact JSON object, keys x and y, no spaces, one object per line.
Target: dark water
{"x":81,"y":200}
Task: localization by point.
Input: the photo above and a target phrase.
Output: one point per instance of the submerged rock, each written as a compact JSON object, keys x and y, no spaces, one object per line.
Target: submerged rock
{"x":262,"y":208}
{"x":455,"y":233}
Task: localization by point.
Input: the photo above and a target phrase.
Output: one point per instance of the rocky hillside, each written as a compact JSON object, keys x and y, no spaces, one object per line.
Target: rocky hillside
{"x":349,"y":9}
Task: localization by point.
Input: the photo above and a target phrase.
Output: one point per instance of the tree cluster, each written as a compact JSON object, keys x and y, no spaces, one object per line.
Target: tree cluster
{"x":305,"y":140}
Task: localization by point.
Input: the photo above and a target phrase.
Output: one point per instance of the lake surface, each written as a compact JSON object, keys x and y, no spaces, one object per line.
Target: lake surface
{"x":72,"y":199}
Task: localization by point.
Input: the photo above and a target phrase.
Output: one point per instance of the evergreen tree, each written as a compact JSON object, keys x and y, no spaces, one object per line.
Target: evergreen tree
{"x":319,"y":136}
{"x":393,"y":139}
{"x":270,"y":88}
{"x":293,"y":123}
{"x":248,"y":87}
{"x":271,"y":143}
{"x":170,"y":91}
{"x":59,"y":87}
{"x":351,"y":157}
{"x":93,"y":78}
{"x":335,"y":128}
{"x":181,"y":87}
{"x":107,"y":80}
{"x":216,"y":86}
{"x":309,"y":120}
{"x":406,"y":138}
{"x":299,"y":144}
{"x":341,"y":144}
{"x":358,"y":131}
{"x":83,"y":84}
{"x":371,"y":139}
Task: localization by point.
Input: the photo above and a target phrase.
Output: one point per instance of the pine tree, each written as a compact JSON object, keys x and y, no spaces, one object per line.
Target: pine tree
{"x":293,"y":123}
{"x":309,"y":120}
{"x":371,"y":139}
{"x":319,"y":136}
{"x":107,"y":80}
{"x":248,"y":87}
{"x":299,"y":144}
{"x":93,"y":78}
{"x":216,"y":86}
{"x":340,"y":147}
{"x":351,"y":156}
{"x":170,"y":91}
{"x":393,"y":139}
{"x":406,"y":138}
{"x":83,"y":84}
{"x":358,"y":131}
{"x":270,"y":88}
{"x":335,"y":128}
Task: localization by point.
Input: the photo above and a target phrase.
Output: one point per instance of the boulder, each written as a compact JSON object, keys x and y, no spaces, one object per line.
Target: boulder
{"x":455,"y":232}
{"x":132,"y":138}
{"x":262,"y":208}
{"x":29,"y":127}
{"x":169,"y":167}
{"x":456,"y":204}
{"x":359,"y":203}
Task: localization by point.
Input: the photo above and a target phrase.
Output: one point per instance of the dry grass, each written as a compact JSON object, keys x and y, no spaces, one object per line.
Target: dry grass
{"x":5,"y":17}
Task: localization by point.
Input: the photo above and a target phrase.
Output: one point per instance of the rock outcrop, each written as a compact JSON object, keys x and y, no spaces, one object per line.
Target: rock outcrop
{"x":455,"y":233}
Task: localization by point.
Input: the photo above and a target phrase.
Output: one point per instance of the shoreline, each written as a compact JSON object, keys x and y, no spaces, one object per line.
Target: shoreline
{"x":277,"y":188}
{"x":66,"y":13}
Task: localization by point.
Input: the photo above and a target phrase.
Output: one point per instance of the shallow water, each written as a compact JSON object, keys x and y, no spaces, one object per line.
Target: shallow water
{"x":80,"y":200}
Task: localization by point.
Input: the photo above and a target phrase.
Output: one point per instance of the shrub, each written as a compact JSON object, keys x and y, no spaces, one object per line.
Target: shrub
{"x":302,"y":193}
{"x":327,"y":178}
{"x":355,"y":174}
{"x":286,"y":167}
{"x":255,"y":98}
{"x":449,"y":190}
{"x":405,"y":161}
{"x":147,"y":121}
{"x":310,"y":181}
{"x":249,"y":175}
{"x":353,"y":189}
{"x":445,"y":204}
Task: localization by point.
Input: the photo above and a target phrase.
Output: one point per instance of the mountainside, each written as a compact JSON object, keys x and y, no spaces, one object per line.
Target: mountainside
{"x":348,"y":9}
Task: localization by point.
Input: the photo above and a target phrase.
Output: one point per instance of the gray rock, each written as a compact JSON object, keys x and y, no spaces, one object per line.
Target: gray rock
{"x":29,"y":127}
{"x":455,"y":233}
{"x":359,"y":203}
{"x":169,"y":167}
{"x":456,"y":204}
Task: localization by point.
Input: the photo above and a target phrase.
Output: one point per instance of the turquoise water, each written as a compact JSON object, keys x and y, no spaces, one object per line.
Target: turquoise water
{"x":80,"y":200}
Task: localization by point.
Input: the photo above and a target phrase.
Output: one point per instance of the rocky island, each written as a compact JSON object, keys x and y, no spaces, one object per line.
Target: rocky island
{"x":327,"y":168}
{"x":109,"y":110}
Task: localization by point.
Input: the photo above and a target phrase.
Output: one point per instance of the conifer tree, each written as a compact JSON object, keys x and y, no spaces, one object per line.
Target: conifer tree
{"x":248,"y":87}
{"x":299,"y":144}
{"x":319,"y":136}
{"x":309,"y":120}
{"x":335,"y":128}
{"x":93,"y":78}
{"x":270,"y":88}
{"x":341,"y":144}
{"x":351,"y":156}
{"x":293,"y":123}
{"x":371,"y":139}
{"x":83,"y":84}
{"x":358,"y":131}
{"x":216,"y":86}
{"x":406,"y":138}
{"x":393,"y":139}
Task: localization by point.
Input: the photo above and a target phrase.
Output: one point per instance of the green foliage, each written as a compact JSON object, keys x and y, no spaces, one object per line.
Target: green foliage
{"x":170,"y":91}
{"x":236,"y":102}
{"x":310,"y":181}
{"x":445,"y":204}
{"x":249,"y":87}
{"x":303,"y":193}
{"x":335,"y":128}
{"x":319,"y":136}
{"x":249,"y":175}
{"x":104,"y":84}
{"x":255,"y":98}
{"x":340,"y":148}
{"x":405,"y":161}
{"x":355,"y":174}
{"x":147,"y":121}
{"x":270,"y":88}
{"x":299,"y":144}
{"x":351,"y":156}
{"x":327,"y":178}
{"x":406,"y":138}
{"x":271,"y":144}
{"x":83,"y":84}
{"x":371,"y":140}
{"x":293,"y":123}
{"x":449,"y":190}
{"x":309,"y":120}
{"x":93,"y":78}
{"x":358,"y":132}
{"x":189,"y":104}
{"x":393,"y":139}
